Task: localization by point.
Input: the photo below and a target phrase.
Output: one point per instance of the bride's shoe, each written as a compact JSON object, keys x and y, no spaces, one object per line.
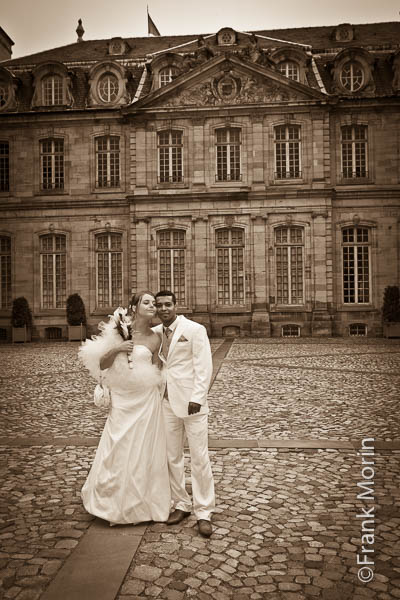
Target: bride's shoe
{"x":112,"y":524}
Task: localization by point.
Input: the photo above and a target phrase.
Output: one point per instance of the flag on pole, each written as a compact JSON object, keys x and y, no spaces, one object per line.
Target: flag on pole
{"x":152,"y":29}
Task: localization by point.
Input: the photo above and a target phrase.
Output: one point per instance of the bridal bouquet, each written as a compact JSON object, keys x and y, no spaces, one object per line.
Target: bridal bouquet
{"x":124,"y":327}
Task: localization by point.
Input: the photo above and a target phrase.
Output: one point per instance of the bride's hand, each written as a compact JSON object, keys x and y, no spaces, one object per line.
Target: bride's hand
{"x":126,"y":346}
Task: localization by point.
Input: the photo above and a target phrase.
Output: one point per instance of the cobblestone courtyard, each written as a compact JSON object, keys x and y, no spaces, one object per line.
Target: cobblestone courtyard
{"x":287,"y":418}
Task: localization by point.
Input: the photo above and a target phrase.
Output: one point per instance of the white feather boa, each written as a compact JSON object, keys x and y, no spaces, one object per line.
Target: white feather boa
{"x":119,"y":377}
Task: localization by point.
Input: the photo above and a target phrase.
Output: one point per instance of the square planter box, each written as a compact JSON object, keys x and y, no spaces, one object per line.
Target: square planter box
{"x":21,"y":334}
{"x":76,"y":333}
{"x":391,"y":330}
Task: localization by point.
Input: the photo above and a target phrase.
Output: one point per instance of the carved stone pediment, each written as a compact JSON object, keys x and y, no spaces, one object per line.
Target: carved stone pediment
{"x":226,"y":81}
{"x":234,"y":89}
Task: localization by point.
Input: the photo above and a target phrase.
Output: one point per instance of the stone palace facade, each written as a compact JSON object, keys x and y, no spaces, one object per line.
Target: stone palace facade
{"x":257,"y":175}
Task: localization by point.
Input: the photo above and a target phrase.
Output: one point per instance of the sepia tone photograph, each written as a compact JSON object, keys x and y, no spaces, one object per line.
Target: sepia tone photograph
{"x":200,"y":300}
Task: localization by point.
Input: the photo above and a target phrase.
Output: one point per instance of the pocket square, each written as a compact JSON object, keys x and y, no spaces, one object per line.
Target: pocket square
{"x":182,"y":339}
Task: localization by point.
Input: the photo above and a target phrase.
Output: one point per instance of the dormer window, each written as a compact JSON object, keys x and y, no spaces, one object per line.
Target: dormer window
{"x":352,"y":76}
{"x":292,"y":63}
{"x":52,"y":90}
{"x":4,"y":94}
{"x":167,"y":75}
{"x":53,"y":86}
{"x":344,"y":33}
{"x":226,"y":37}
{"x":108,"y":88}
{"x":8,"y":86}
{"x":117,"y":46}
{"x":107,"y":85}
{"x":289,"y":69}
{"x":352,"y":71}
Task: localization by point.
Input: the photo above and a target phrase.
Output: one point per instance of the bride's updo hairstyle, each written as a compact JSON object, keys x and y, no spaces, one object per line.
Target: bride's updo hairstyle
{"x":137,"y":298}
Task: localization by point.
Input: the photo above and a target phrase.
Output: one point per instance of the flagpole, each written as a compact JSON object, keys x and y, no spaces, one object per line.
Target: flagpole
{"x":151,"y":26}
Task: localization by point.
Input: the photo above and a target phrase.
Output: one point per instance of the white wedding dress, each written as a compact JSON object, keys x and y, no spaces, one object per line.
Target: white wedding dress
{"x":129,"y":481}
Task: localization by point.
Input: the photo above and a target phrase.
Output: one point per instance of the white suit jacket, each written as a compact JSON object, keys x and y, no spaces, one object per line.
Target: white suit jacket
{"x":188,"y":368}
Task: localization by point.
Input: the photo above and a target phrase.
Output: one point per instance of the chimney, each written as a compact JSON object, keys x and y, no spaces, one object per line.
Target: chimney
{"x":5,"y":45}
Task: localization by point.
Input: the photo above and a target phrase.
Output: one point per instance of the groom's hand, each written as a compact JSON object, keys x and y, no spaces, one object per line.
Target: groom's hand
{"x":193,"y":408}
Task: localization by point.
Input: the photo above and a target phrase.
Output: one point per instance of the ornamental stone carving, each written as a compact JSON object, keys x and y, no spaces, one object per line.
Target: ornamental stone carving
{"x":255,"y":54}
{"x":229,"y":89}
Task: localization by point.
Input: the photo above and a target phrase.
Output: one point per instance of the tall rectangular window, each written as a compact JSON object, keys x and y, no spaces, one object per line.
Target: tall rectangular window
{"x":171,"y":248}
{"x":52,"y":90}
{"x":4,"y":167}
{"x":5,"y":271}
{"x":52,"y":164}
{"x":170,"y":157}
{"x":356,"y":265}
{"x":53,"y":271}
{"x":354,"y":151}
{"x":230,"y":265}
{"x":289,"y":260}
{"x":108,"y":269}
{"x":108,"y":161}
{"x":228,"y":144}
{"x":287,"y":152}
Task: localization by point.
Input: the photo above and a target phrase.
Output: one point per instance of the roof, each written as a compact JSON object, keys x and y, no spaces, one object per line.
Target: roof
{"x":382,"y":40}
{"x":320,"y":38}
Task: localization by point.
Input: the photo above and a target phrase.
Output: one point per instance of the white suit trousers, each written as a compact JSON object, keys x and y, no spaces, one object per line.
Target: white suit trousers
{"x":196,"y":428}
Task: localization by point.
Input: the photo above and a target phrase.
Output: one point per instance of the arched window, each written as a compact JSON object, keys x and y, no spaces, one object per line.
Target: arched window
{"x":228,"y":146}
{"x":230,"y":247}
{"x":171,"y":250}
{"x":352,"y":76}
{"x":170,"y":156}
{"x":108,"y":88}
{"x":52,"y":90}
{"x":289,"y":69}
{"x":53,"y":271}
{"x":107,"y":161}
{"x":5,"y":271}
{"x":52,"y":163}
{"x":108,"y":269}
{"x":289,"y":258}
{"x":167,"y":74}
{"x":287,"y":152}
{"x":356,"y":265}
{"x":354,"y":151}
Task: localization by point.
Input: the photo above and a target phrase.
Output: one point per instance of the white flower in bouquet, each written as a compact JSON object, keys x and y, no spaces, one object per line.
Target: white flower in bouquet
{"x":124,"y":327}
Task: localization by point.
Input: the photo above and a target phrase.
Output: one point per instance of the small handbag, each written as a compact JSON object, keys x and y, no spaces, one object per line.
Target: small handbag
{"x":102,"y":395}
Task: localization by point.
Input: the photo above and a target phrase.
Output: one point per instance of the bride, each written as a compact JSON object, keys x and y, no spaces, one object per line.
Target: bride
{"x":128,"y":481}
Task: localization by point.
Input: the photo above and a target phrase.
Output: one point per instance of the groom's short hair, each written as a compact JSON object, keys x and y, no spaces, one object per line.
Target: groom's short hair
{"x":166,"y":293}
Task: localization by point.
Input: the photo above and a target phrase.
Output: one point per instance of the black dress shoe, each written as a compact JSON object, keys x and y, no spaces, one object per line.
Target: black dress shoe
{"x":177,"y":516}
{"x":205,"y":528}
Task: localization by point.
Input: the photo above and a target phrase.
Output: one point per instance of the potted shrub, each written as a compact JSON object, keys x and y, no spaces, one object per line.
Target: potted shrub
{"x":76,"y":318}
{"x":391,"y":311}
{"x":21,"y":320}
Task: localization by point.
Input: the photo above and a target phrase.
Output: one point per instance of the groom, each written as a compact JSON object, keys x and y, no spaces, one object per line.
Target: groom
{"x":186,"y":355}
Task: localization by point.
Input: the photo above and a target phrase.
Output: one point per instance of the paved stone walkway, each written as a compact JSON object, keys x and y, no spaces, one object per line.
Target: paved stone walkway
{"x":286,"y":525}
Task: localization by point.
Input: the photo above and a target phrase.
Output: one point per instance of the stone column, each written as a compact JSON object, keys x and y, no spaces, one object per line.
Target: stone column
{"x":141,"y":179}
{"x":133,"y":255}
{"x":258,"y":152}
{"x":321,"y":319}
{"x":260,"y":324}
{"x":200,"y":281}
{"x":142,"y":253}
{"x":320,"y":146}
{"x":198,"y":152}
